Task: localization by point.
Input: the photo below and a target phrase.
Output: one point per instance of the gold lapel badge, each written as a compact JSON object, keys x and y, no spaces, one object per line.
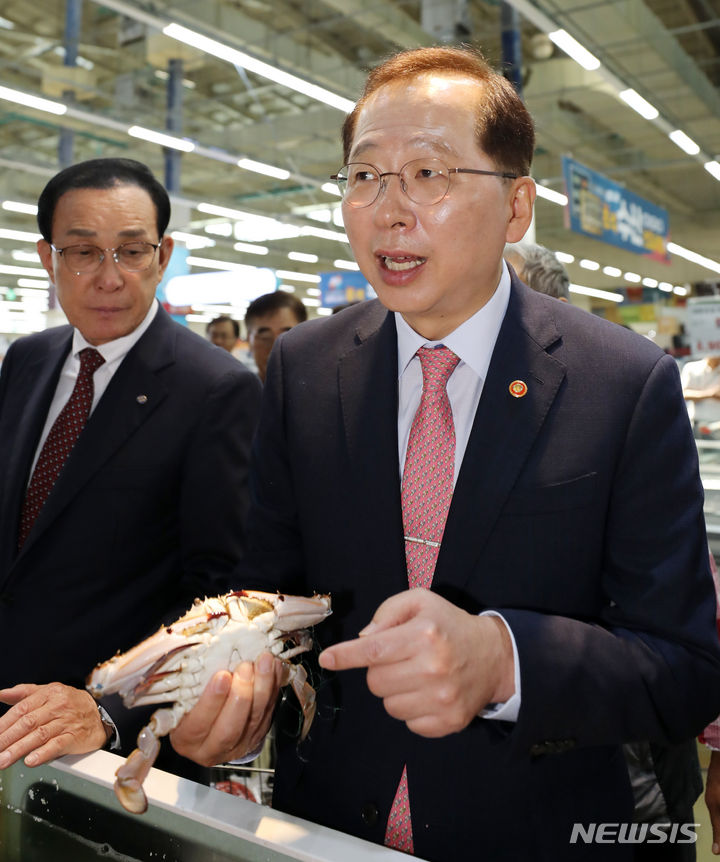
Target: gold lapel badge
{"x":142,"y":399}
{"x":518,"y":388}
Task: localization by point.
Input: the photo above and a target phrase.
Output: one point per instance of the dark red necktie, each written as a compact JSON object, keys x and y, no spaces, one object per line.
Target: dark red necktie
{"x":62,"y":437}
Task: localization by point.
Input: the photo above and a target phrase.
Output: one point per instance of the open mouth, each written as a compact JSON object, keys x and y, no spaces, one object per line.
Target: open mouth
{"x":398,"y":264}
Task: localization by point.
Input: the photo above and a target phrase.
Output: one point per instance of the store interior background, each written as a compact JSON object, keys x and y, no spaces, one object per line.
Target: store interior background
{"x":228,"y":81}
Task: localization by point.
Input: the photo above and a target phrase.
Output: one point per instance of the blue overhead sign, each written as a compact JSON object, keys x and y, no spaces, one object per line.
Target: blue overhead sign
{"x":339,"y":288}
{"x":604,"y":210}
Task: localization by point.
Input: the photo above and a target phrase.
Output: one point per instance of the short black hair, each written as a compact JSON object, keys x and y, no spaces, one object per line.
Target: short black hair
{"x":222,"y":319}
{"x":101,"y":174}
{"x":270,"y":302}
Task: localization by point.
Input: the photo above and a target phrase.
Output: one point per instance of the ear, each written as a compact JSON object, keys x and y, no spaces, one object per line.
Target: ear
{"x":44,"y":250}
{"x":522,"y":199}
{"x":164,"y":254}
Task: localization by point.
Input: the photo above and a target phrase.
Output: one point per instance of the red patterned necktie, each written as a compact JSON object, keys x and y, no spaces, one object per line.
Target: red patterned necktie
{"x":427,"y":489}
{"x":62,"y":437}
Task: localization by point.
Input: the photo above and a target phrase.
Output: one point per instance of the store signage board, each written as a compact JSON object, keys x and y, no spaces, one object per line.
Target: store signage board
{"x":339,"y":288}
{"x":602,"y":209}
{"x":702,"y":325}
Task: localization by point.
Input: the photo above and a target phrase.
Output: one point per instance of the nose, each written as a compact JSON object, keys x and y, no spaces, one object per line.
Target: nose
{"x":109,"y":275}
{"x":392,"y":207}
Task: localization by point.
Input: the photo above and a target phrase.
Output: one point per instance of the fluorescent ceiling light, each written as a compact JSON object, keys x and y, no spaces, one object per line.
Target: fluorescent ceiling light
{"x":666,"y":286}
{"x":685,"y":143}
{"x":251,"y":249}
{"x":19,"y":235}
{"x":612,"y":271}
{"x":7,"y":269}
{"x":17,"y":207}
{"x":693,"y":257}
{"x":286,"y":288}
{"x":331,"y":189}
{"x":32,"y":101}
{"x":25,"y":256}
{"x":6,"y":25}
{"x":301,"y":256}
{"x":574,"y":49}
{"x":313,"y":303}
{"x":219,"y":229}
{"x":680,"y":291}
{"x":598,"y":294}
{"x":313,"y":291}
{"x":585,"y":263}
{"x":563,"y":257}
{"x":258,"y":67}
{"x":192,"y":240}
{"x":324,"y":215}
{"x":323,"y":233}
{"x":324,"y":312}
{"x":551,"y":195}
{"x":210,"y":263}
{"x":33,"y":283}
{"x":163,"y":140}
{"x":713,"y":168}
{"x":262,"y":168}
{"x":297,"y":276}
{"x":650,"y":282}
{"x":633,"y":277}
{"x":637,"y":103}
{"x":345,"y":264}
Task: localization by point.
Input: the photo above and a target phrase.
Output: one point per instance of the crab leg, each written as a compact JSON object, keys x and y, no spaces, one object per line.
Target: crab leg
{"x":130,"y":776}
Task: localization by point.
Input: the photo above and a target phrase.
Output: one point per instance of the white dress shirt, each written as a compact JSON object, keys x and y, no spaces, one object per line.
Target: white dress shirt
{"x":473,"y":341}
{"x":113,"y":352}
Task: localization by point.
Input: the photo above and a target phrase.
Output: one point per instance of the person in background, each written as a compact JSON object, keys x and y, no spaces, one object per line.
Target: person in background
{"x":500,"y":493}
{"x":701,"y":389}
{"x":124,"y":451}
{"x":538,"y":267}
{"x":266,"y":318}
{"x":223,"y":332}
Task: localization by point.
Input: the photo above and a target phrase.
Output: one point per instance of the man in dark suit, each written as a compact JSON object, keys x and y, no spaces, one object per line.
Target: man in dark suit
{"x":571,"y":606}
{"x":147,"y":511}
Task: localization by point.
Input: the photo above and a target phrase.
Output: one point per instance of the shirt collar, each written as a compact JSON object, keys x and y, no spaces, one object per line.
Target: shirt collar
{"x":118,"y":348}
{"x":473,"y":341}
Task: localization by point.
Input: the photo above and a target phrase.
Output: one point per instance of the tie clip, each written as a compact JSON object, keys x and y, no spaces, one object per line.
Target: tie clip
{"x":422,"y":541}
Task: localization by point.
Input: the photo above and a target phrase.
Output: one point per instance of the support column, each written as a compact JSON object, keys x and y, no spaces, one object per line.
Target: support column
{"x":511,"y":46}
{"x":173,"y":124}
{"x":73,"y":16}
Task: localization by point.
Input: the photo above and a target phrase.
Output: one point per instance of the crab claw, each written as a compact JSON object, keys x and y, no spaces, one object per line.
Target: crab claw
{"x":296,"y":675}
{"x":130,"y":776}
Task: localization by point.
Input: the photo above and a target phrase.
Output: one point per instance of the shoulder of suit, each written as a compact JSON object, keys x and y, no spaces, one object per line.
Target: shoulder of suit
{"x":363,"y":318}
{"x":43,"y":341}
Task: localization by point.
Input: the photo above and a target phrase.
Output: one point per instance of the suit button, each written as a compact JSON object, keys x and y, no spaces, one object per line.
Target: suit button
{"x":369,"y":814}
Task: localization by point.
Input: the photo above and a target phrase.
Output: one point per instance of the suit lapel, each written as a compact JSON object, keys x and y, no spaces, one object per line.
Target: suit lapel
{"x":367,"y":375}
{"x":37,"y":383}
{"x":131,"y":397}
{"x":503,"y":433}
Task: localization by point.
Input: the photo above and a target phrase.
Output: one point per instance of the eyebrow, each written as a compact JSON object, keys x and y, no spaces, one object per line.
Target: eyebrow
{"x":129,"y":232}
{"x":419,"y":140}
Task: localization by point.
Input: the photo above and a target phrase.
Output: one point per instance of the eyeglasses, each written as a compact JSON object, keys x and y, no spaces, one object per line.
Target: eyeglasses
{"x":424,"y":181}
{"x":130,"y":256}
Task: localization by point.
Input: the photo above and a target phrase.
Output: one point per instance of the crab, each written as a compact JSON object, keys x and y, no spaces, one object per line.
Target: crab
{"x":175,"y":664}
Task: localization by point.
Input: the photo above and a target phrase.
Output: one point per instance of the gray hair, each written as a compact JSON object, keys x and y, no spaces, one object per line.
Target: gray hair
{"x":538,"y":267}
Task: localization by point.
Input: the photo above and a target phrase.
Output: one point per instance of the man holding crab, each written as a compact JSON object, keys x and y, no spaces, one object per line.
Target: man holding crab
{"x":569,"y":606}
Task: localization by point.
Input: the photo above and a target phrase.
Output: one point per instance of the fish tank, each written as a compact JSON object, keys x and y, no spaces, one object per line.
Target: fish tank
{"x":66,"y":811}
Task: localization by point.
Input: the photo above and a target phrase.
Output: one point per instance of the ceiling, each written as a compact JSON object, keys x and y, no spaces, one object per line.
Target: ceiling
{"x":667,"y":50}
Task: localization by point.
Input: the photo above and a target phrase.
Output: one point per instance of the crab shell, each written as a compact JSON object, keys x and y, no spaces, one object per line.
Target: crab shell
{"x":175,"y":664}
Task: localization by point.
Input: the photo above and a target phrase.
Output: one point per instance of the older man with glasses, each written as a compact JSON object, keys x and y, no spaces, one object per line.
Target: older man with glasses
{"x":124,"y":446}
{"x":501,"y":494}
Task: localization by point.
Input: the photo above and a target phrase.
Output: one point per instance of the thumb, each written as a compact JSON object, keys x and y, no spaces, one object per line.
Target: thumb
{"x":396,"y":610}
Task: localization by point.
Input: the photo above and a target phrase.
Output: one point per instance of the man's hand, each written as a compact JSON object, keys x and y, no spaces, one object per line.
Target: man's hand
{"x":233,"y":715}
{"x":712,"y":798}
{"x":47,"y":721}
{"x":434,"y":665}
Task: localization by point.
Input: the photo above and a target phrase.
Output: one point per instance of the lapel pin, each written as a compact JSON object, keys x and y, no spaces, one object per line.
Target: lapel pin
{"x":142,"y":399}
{"x":518,"y":388}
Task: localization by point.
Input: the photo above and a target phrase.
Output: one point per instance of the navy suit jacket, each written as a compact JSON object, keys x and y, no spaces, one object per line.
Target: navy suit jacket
{"x":577,"y":514}
{"x":147,"y":513}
